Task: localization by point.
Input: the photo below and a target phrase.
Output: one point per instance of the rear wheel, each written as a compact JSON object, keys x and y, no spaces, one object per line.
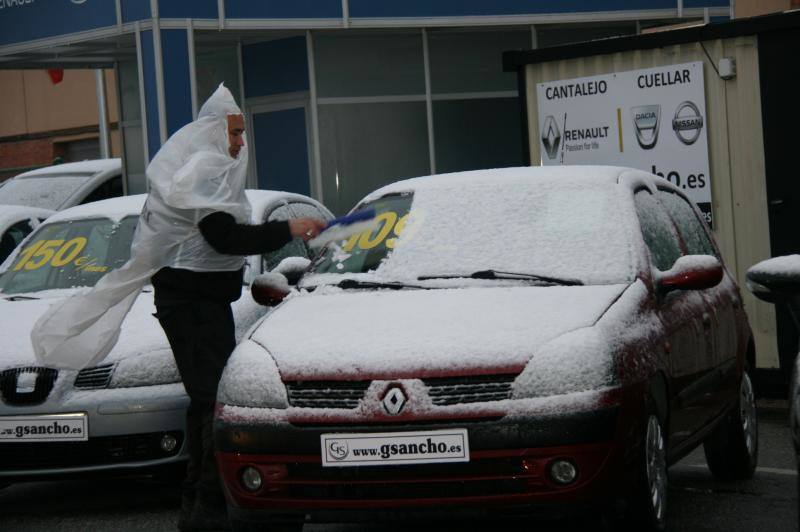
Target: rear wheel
{"x":732,"y":449}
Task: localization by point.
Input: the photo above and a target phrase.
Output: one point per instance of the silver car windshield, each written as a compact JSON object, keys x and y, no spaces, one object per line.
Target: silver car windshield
{"x":47,"y":192}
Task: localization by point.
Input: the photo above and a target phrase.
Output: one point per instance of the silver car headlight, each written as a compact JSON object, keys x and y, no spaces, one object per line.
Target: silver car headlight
{"x":251,"y":378}
{"x":147,"y":369}
{"x":577,"y":361}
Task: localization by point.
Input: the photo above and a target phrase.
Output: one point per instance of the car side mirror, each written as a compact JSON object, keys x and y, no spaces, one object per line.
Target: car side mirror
{"x":775,"y":280}
{"x":292,"y":268}
{"x":270,"y":288}
{"x":691,"y":272}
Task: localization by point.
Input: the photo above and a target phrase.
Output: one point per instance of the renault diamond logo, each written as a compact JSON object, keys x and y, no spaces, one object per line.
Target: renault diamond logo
{"x":394,"y":401}
{"x":551,"y":137}
{"x":645,"y":122}
{"x":687,"y":122}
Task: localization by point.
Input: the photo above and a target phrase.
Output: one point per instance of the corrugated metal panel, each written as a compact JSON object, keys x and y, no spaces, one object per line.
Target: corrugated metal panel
{"x":736,"y":155}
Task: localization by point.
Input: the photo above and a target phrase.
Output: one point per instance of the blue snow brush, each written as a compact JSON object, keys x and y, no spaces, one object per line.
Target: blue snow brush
{"x":344,"y":227}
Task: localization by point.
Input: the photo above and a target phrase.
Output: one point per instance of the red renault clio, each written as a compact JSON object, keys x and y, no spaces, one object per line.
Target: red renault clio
{"x":499,"y":342}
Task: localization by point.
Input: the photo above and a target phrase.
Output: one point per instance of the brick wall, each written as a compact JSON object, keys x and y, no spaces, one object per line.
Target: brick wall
{"x":16,"y":157}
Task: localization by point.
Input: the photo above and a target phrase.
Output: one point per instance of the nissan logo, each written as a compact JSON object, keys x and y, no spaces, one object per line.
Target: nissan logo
{"x":687,"y":123}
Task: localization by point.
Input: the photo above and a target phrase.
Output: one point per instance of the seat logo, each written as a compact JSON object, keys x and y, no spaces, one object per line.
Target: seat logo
{"x":394,"y":400}
{"x":687,"y":123}
{"x":645,"y":123}
{"x":551,"y":137}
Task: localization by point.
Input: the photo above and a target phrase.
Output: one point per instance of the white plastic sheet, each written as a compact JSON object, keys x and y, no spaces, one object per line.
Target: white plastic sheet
{"x":192,"y":175}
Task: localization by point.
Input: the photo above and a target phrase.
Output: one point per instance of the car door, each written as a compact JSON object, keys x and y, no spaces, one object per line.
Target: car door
{"x":722,"y":303}
{"x":681,"y":313}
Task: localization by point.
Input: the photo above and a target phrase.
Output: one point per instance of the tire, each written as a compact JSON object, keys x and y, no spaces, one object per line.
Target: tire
{"x":647,"y":507}
{"x":732,"y":449}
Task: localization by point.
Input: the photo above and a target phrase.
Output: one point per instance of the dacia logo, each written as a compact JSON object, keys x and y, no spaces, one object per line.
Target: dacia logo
{"x":394,"y":400}
{"x":645,"y":123}
{"x":687,"y":123}
{"x":551,"y":137}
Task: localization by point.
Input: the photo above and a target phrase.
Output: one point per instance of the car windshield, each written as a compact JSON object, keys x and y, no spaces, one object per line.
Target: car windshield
{"x":69,"y":254}
{"x":575,"y":234}
{"x":47,"y":192}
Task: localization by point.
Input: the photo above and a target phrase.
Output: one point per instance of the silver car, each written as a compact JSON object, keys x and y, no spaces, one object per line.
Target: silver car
{"x":127,"y":413}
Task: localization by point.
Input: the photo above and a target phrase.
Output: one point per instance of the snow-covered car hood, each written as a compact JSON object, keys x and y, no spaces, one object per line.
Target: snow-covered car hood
{"x":417,"y":333}
{"x":141,"y":333}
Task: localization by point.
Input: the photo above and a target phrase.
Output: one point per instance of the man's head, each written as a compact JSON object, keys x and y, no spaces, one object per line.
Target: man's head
{"x":235,"y":134}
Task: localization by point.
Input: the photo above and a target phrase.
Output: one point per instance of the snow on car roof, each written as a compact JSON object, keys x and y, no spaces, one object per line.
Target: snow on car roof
{"x":607,"y":173}
{"x":14,"y":213}
{"x":88,"y":167}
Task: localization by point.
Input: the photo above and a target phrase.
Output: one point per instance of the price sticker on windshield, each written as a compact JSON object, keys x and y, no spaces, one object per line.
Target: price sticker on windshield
{"x":389,"y":228}
{"x":55,"y":252}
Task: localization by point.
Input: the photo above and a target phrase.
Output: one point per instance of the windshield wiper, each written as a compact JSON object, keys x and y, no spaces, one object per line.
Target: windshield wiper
{"x":494,"y":274}
{"x":19,"y":298}
{"x":355,"y":283}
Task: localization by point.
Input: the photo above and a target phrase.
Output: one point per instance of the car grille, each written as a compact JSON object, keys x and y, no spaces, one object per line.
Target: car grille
{"x":45,"y":379}
{"x":477,"y":389}
{"x":95,"y":377}
{"x":443,"y":391}
{"x":326,"y":394}
{"x":479,"y":477}
{"x":102,"y":450}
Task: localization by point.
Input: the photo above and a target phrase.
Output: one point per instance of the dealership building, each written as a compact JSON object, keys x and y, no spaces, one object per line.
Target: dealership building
{"x":341,"y":96}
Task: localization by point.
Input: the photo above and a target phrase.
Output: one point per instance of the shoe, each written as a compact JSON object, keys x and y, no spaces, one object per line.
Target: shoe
{"x":206,"y":517}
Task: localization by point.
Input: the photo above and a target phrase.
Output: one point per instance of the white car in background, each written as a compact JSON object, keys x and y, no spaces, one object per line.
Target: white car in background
{"x":127,"y":412}
{"x":16,"y":223}
{"x":62,"y":186}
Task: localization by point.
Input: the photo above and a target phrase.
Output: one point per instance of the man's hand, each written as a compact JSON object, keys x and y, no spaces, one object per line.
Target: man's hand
{"x":306,"y":228}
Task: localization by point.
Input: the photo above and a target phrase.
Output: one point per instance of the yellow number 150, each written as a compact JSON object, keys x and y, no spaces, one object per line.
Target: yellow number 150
{"x":57,"y":252}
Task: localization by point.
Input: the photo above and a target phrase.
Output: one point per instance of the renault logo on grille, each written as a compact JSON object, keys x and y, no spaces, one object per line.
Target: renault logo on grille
{"x":551,"y":137}
{"x":645,"y":122}
{"x":687,"y":122}
{"x":394,"y":400}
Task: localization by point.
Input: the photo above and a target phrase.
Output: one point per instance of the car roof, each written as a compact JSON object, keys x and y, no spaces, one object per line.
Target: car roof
{"x":83,"y":167}
{"x":575,"y":174}
{"x":14,"y":213}
{"x":118,"y":208}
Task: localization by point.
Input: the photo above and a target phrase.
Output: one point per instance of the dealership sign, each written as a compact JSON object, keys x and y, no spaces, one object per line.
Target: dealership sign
{"x":653,"y":119}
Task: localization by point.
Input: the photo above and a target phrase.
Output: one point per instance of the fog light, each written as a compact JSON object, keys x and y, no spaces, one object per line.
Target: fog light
{"x":168,"y":443}
{"x":251,"y":478}
{"x":563,"y":472}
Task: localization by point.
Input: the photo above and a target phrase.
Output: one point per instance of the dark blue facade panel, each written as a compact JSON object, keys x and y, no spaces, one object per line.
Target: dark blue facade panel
{"x":706,"y":3}
{"x":177,"y":89}
{"x":150,"y":93}
{"x":187,"y":9}
{"x":282,"y":150}
{"x":26,"y":20}
{"x":460,"y":8}
{"x":133,"y":10}
{"x":283,"y":9}
{"x":274,"y":67}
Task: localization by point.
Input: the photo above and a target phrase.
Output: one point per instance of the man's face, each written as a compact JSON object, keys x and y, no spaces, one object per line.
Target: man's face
{"x":235,"y":134}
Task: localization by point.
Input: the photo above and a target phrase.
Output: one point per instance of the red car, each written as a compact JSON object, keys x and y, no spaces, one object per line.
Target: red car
{"x":511,"y":340}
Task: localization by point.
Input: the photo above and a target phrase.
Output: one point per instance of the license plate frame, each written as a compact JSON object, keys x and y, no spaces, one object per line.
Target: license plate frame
{"x":44,"y":428}
{"x":394,"y":448}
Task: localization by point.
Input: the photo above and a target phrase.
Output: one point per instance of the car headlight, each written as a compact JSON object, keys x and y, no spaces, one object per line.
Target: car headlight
{"x":574,"y":362}
{"x":251,"y":378}
{"x":147,"y":369}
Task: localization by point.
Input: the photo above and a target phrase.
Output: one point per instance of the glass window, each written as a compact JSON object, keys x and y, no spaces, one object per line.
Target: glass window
{"x":112,"y":188}
{"x":69,"y":254}
{"x":131,"y":126}
{"x":47,"y":192}
{"x":476,"y":134}
{"x":657,"y":231}
{"x":369,"y":65}
{"x":689,"y":226}
{"x":364,"y":252}
{"x":294,"y":248}
{"x":214,"y":66}
{"x":365,"y":146}
{"x":473,"y":61}
{"x":12,"y":238}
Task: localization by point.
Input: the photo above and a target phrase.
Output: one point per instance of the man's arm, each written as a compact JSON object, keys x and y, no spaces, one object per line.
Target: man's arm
{"x":227,"y":236}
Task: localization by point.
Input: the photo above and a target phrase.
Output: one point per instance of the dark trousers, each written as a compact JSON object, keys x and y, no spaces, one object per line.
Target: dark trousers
{"x":202,"y":337}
